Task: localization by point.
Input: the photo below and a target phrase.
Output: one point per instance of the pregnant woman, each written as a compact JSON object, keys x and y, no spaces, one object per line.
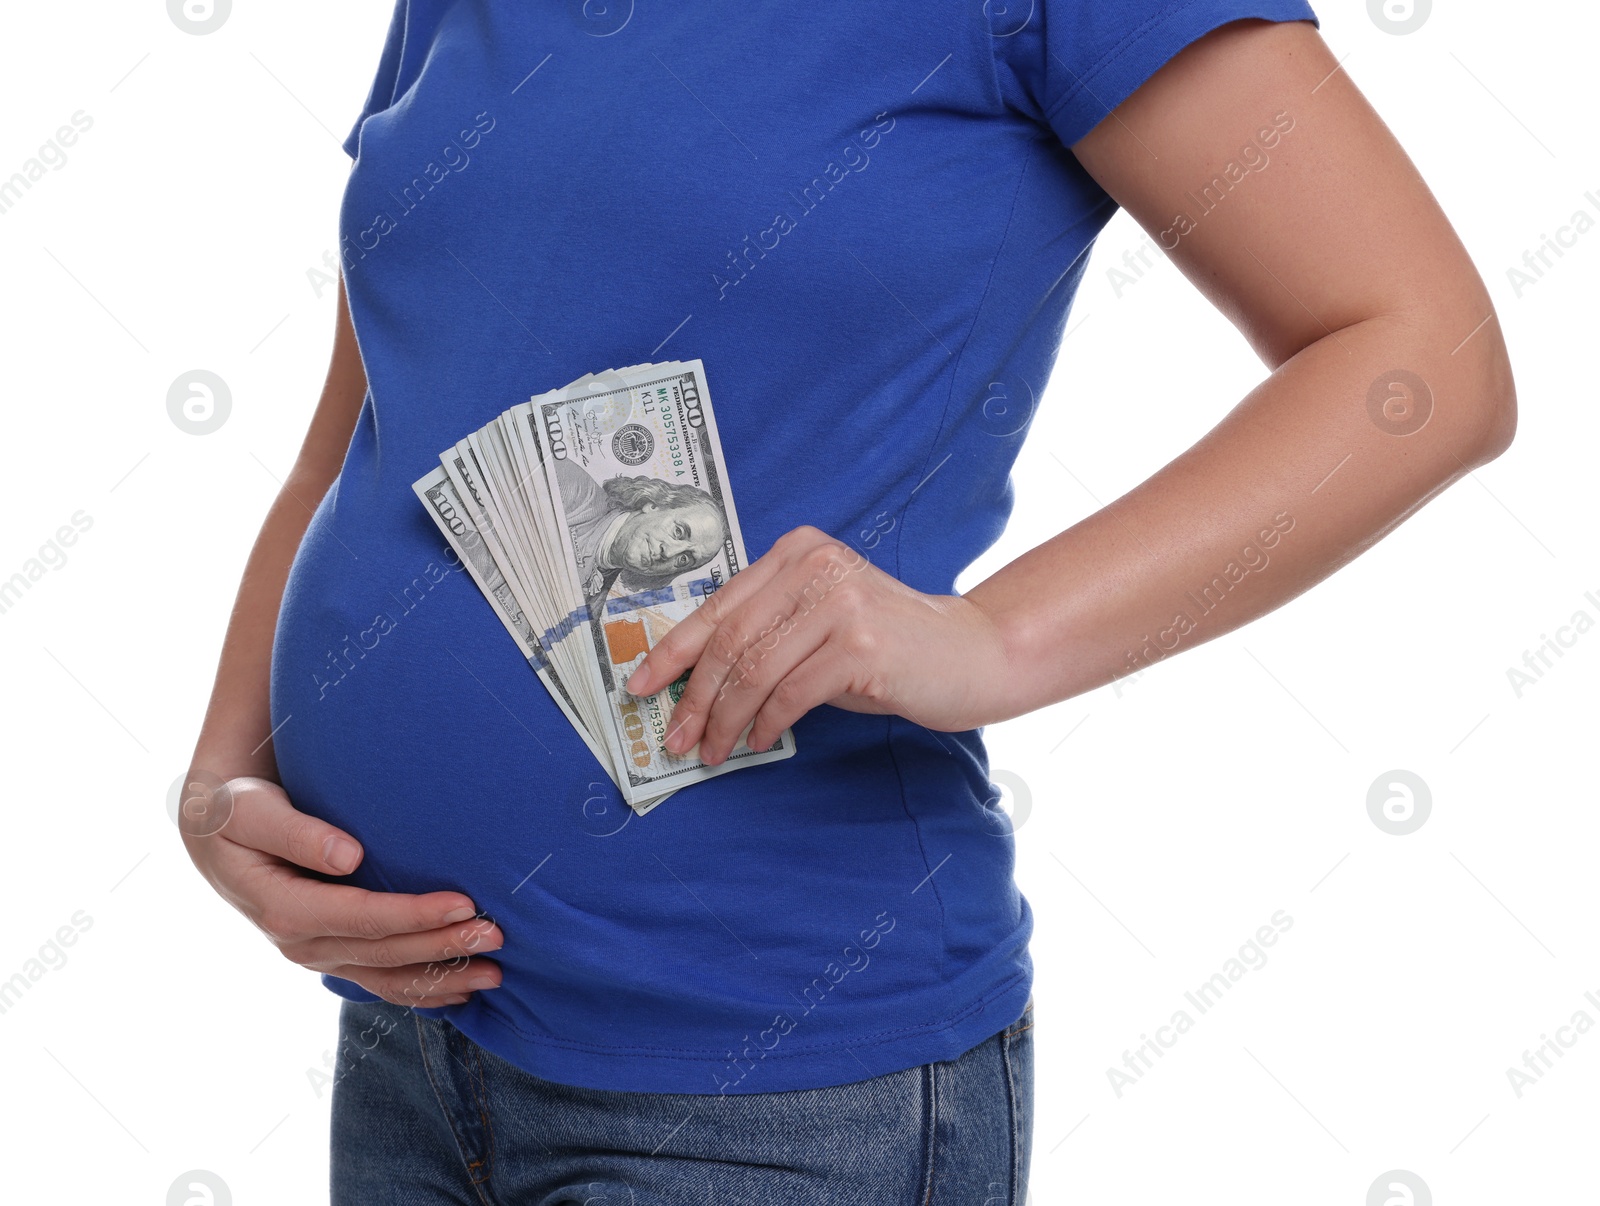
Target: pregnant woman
{"x":808,"y":981}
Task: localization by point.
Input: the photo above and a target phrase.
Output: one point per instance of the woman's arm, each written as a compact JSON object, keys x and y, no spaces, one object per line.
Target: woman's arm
{"x":1335,"y":262}
{"x":234,"y":736}
{"x":410,"y":950}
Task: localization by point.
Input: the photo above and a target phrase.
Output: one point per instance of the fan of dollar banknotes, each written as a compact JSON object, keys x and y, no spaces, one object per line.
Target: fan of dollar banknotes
{"x":594,"y":518}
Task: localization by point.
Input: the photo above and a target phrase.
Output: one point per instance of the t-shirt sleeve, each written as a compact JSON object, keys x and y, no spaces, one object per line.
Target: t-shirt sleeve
{"x":385,"y":84}
{"x":1070,"y":62}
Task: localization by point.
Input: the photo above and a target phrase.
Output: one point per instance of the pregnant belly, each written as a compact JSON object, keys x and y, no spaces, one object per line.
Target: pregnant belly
{"x":405,"y":714}
{"x":407,"y":717}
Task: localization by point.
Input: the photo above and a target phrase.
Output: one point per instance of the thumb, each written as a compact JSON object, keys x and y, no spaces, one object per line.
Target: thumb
{"x":264,"y":819}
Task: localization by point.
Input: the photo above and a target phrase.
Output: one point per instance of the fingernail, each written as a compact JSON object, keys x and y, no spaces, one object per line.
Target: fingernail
{"x":454,"y":1001}
{"x":636,"y":680}
{"x":341,"y":854}
{"x":464,"y":913}
{"x":483,"y":980}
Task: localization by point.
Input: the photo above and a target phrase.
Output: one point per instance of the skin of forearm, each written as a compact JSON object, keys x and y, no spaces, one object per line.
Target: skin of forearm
{"x":233,"y":738}
{"x":1300,"y":463}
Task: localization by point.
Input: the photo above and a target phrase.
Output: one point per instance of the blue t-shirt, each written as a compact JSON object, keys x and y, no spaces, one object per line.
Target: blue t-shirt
{"x":865,"y":221}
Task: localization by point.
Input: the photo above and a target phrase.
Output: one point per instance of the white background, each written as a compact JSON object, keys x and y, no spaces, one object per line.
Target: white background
{"x":1168,"y":821}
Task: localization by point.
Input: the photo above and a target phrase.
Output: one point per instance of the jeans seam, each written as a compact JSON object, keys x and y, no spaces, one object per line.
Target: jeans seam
{"x":930,"y":1078}
{"x":461,"y":1148}
{"x":480,"y":1089}
{"x":1011,"y":1108}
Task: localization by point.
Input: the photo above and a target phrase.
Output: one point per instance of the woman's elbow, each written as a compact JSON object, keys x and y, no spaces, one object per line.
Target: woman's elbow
{"x":1497,"y":399}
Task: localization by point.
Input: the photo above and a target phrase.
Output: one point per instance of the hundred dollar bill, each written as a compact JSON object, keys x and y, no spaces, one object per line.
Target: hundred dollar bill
{"x":594,"y":518}
{"x":648,"y":529}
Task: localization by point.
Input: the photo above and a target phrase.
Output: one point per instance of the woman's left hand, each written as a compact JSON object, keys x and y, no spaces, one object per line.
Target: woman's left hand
{"x":813,"y":622}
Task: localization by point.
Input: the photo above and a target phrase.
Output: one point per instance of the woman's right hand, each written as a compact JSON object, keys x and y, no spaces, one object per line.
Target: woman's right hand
{"x":409,"y":950}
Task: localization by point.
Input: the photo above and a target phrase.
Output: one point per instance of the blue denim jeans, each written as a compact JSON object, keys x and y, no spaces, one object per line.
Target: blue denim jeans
{"x":423,"y":1116}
